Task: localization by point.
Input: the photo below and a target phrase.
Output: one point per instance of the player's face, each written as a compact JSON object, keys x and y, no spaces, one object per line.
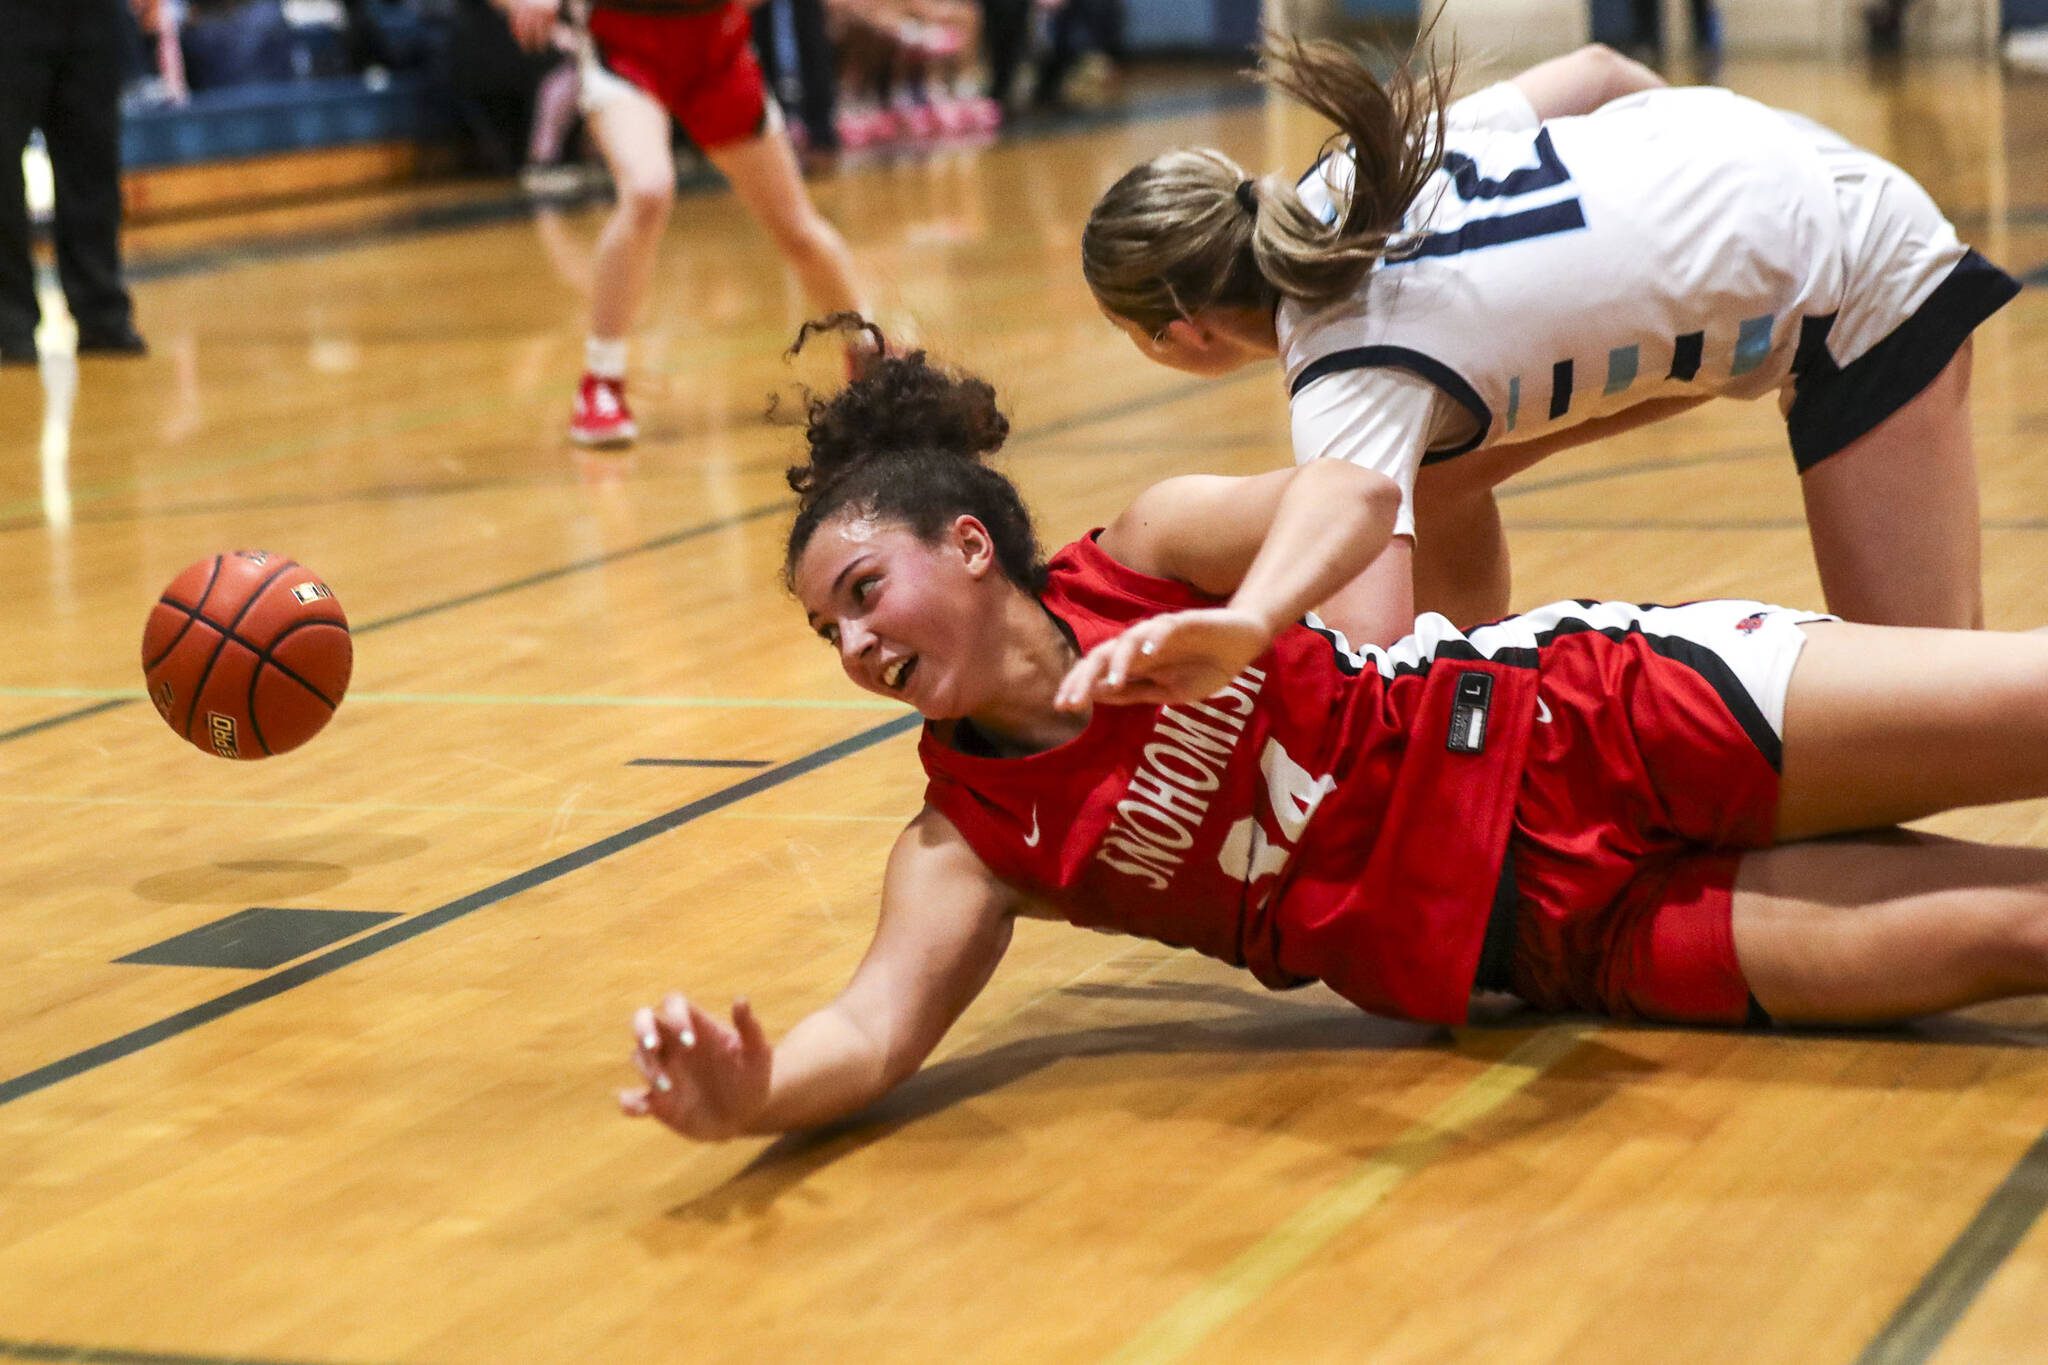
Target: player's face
{"x":907,"y":618}
{"x":1186,"y":346}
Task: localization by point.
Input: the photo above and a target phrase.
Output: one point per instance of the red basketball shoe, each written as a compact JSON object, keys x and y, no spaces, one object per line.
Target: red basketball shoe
{"x":601,"y":417}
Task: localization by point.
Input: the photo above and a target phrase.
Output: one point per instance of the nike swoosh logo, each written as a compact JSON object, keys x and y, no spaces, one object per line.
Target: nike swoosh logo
{"x":1542,"y":716}
{"x":1031,"y":839}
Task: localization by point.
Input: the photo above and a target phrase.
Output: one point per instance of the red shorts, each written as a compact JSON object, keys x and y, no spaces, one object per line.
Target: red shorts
{"x":1651,"y":767}
{"x":698,"y":66}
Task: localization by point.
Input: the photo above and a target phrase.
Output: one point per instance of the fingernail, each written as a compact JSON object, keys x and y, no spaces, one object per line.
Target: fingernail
{"x":1149,"y":647}
{"x":689,"y":1036}
{"x":663,"y":1083}
{"x":651,"y":1042}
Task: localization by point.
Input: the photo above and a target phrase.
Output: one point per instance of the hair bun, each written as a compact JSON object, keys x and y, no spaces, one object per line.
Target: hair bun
{"x":901,"y":405}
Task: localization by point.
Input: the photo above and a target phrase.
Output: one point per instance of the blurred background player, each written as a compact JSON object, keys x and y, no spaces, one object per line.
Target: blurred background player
{"x":909,"y":72}
{"x":646,"y":62}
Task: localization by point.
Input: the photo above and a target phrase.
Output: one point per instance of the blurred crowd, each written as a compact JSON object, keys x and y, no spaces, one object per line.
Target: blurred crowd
{"x":850,"y":74}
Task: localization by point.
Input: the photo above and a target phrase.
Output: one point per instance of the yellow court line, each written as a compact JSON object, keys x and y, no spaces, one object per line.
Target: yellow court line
{"x":508,"y":699}
{"x":1282,"y":1251}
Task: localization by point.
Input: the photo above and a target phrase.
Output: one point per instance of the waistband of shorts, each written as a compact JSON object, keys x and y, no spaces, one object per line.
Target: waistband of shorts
{"x":1497,"y":949}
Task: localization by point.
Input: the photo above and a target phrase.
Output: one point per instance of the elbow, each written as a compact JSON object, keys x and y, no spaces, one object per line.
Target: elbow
{"x":1614,"y":75}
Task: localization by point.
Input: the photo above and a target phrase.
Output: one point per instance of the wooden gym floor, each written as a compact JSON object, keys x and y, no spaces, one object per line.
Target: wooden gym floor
{"x":591,"y":753}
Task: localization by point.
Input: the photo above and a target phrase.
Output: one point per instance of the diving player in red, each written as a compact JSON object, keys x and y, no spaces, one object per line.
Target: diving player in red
{"x":646,"y":62}
{"x":1597,"y":807}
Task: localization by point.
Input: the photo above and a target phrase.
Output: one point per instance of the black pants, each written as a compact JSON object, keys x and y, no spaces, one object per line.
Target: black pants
{"x":1006,"y":40}
{"x":817,"y":77}
{"x":63,"y":75}
{"x":1103,"y":23}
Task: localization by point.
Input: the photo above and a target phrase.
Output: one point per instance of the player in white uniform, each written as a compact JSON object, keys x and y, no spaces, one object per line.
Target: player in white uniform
{"x":1569,"y":254}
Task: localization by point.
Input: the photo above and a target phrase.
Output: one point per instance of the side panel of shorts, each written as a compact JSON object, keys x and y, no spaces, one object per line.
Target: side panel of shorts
{"x":1655,"y":754}
{"x":1912,"y":293}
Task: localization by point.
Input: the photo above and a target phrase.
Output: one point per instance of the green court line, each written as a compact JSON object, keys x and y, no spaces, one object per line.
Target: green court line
{"x":1183,"y":1327}
{"x":511,"y":699}
{"x":421,"y":807}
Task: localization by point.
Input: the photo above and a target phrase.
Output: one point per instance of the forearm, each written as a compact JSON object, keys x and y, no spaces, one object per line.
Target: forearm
{"x":825,"y":1068}
{"x":1333,"y":521}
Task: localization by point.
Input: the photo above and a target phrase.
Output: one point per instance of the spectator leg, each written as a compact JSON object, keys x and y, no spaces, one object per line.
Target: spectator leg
{"x":25,"y":80}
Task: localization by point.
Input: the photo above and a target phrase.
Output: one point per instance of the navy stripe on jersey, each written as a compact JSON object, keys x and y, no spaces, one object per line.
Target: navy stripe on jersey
{"x":1481,"y":233}
{"x":1560,"y":389}
{"x":1685,"y":360}
{"x":1712,"y":668}
{"x":1401,"y":358}
{"x":1470,"y":184}
{"x":1812,"y":356}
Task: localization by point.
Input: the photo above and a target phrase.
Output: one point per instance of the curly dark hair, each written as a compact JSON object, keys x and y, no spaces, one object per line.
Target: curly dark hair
{"x":906,"y":441}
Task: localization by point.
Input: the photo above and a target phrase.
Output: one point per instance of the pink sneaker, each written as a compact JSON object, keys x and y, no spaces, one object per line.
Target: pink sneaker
{"x":601,"y":417}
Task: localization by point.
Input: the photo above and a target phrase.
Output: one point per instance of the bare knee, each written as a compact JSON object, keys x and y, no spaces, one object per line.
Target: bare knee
{"x":644,"y":201}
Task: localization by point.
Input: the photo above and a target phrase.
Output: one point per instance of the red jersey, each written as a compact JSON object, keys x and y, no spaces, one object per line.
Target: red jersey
{"x":1327,"y":816}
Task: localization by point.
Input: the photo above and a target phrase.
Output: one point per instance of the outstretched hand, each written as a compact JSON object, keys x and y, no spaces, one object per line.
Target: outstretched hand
{"x":1182,"y":656}
{"x":704,"y":1079}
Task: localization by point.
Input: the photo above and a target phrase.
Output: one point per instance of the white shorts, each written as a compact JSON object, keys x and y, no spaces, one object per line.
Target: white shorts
{"x":1748,"y":649}
{"x":1911,"y":296}
{"x":1897,"y":247}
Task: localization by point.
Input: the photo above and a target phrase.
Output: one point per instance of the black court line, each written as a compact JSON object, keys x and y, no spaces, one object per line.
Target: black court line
{"x":513,"y":207}
{"x":576,"y":566}
{"x":696,"y":762}
{"x":291,"y":502}
{"x":256,"y":992}
{"x":107,"y":1355}
{"x":1115,"y":410}
{"x":1917,"y":1330}
{"x":52,"y":722}
{"x":673,"y":538}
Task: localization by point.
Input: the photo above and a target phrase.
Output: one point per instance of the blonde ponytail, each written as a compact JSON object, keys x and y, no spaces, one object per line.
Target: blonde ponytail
{"x":1186,"y":231}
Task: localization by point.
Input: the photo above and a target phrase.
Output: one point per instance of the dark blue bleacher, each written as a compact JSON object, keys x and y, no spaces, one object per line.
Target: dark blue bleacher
{"x":286,"y":116}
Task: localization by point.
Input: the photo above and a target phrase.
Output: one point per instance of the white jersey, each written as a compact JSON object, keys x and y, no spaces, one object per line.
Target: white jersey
{"x":1671,"y":244}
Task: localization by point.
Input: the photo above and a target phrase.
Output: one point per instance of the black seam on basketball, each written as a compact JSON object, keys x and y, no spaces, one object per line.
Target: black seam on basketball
{"x":268,"y":655}
{"x":255,"y":723}
{"x":191,"y":615}
{"x":228,"y":633}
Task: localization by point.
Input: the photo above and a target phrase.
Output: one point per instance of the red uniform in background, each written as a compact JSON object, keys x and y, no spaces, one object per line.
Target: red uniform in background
{"x":1347,"y":816}
{"x":696,"y":60}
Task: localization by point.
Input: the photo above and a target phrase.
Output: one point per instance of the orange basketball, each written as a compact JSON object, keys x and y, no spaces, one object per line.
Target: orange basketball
{"x":246,"y":654}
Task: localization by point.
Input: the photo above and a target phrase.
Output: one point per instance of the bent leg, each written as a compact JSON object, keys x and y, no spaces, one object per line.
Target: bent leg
{"x":1885,"y":725}
{"x":632,"y":131}
{"x":1894,"y":514}
{"x":1890,"y":925}
{"x":763,"y":173}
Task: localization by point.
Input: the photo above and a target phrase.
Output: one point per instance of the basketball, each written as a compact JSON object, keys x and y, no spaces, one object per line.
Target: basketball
{"x":246,"y":654}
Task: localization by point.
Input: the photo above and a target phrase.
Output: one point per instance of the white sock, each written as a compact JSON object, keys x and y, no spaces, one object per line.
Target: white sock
{"x":605,"y":357}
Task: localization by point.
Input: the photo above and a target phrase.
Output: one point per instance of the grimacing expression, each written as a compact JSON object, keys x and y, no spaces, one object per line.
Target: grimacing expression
{"x":904,"y":615}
